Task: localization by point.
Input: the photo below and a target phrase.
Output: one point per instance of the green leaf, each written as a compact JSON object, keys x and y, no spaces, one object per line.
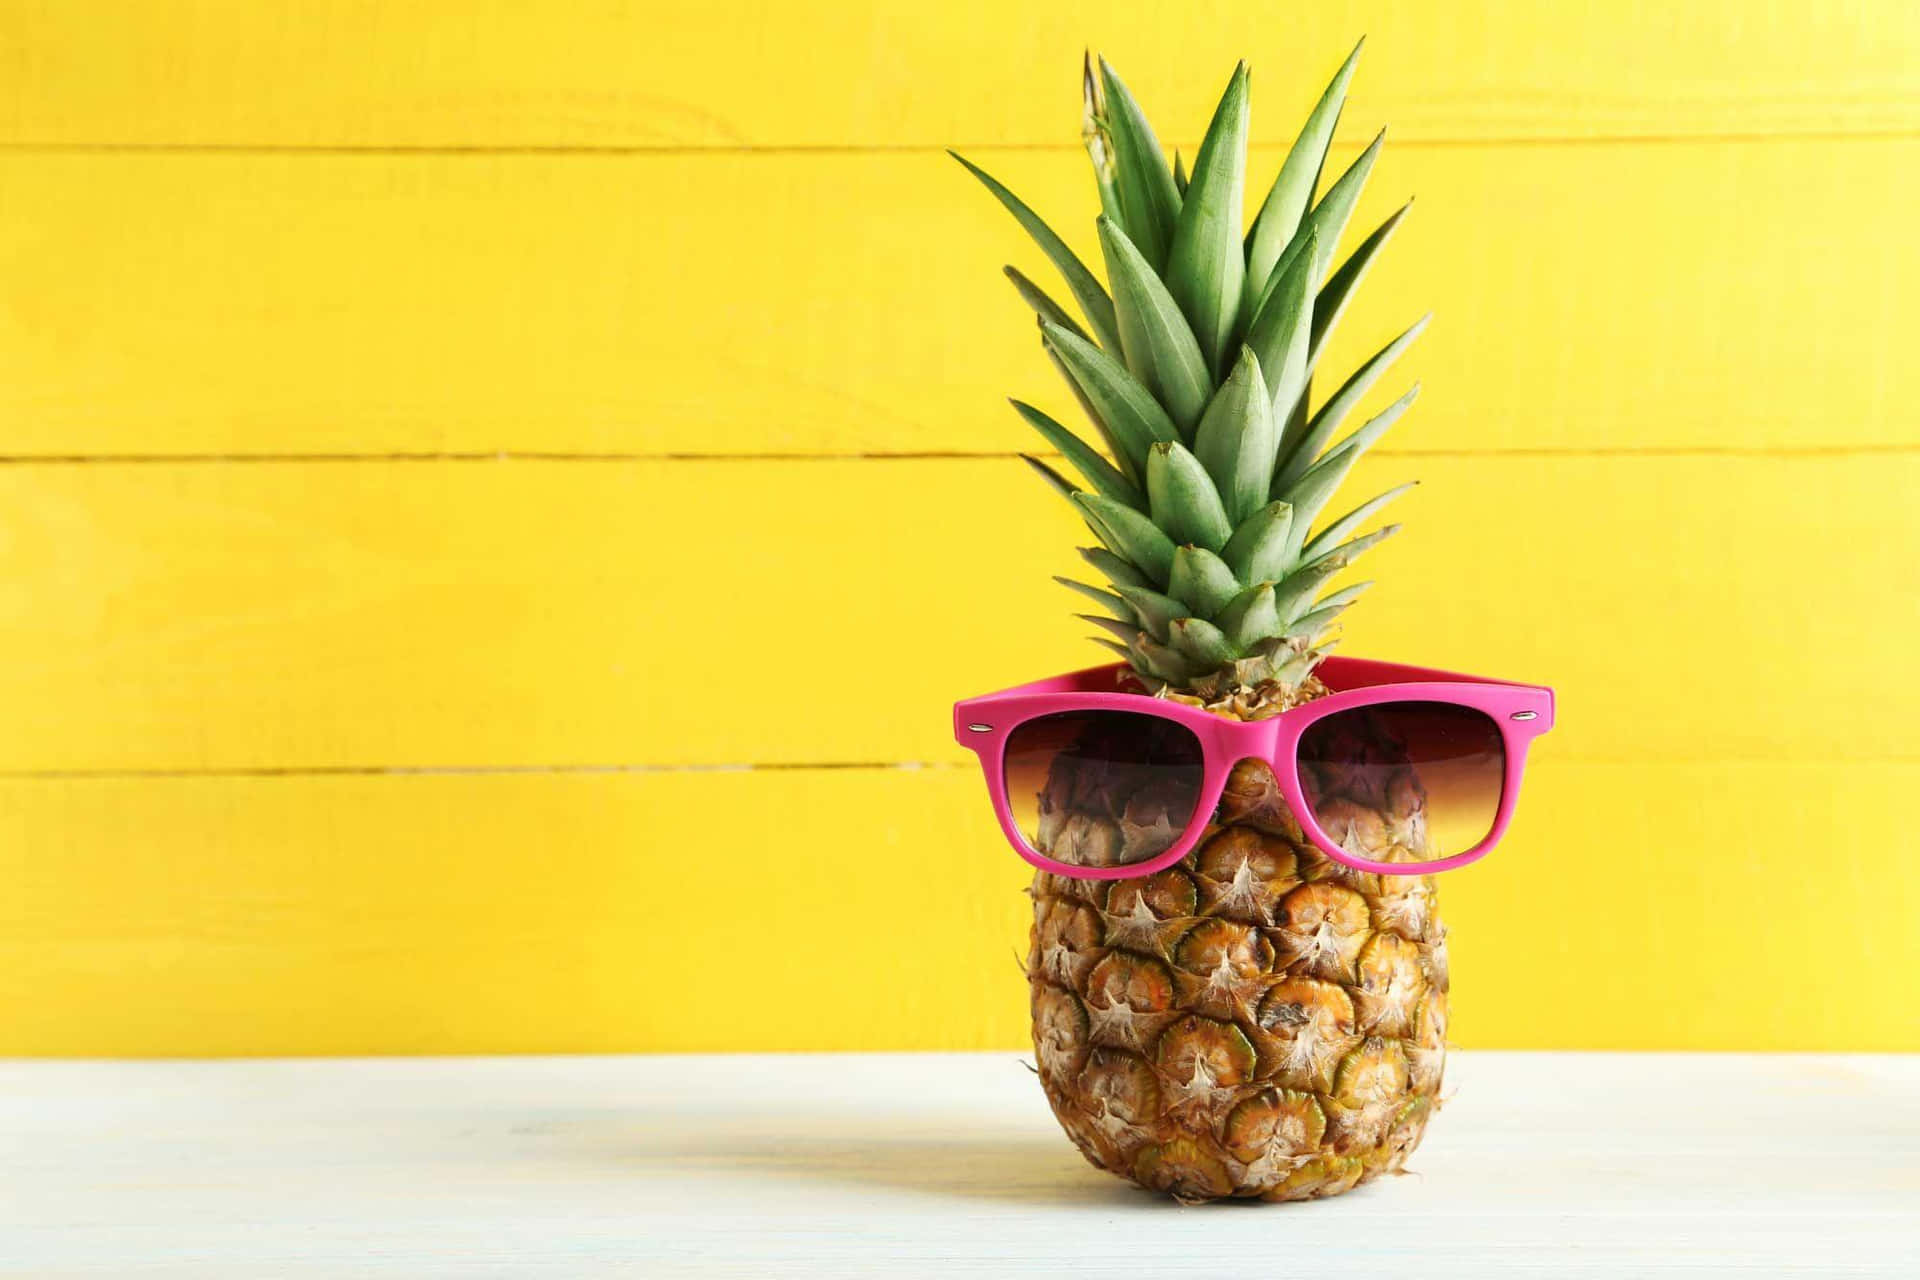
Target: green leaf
{"x":1043,"y":305}
{"x":1201,"y":580}
{"x":1293,"y":593}
{"x":1236,"y":441}
{"x":1133,"y":473}
{"x":1201,"y":643}
{"x":1155,"y":611}
{"x":1349,"y":551}
{"x":1352,"y":520}
{"x":1149,"y":200}
{"x":1279,"y":217}
{"x":1128,"y":533}
{"x":1326,"y":609}
{"x":1280,"y":332}
{"x":1065,"y":487}
{"x":1251,"y":616}
{"x":1332,"y":302}
{"x":1257,"y":551}
{"x":1094,"y":135}
{"x":1086,"y":289}
{"x":1121,"y":631}
{"x":1112,"y":603}
{"x":1179,"y":174}
{"x":1328,"y":221}
{"x":1121,"y":573}
{"x":1160,"y":661}
{"x":1312,"y":490}
{"x":1132,"y":417}
{"x":1184,"y":502}
{"x":1296,"y":459}
{"x":1329,"y":217}
{"x":1206,"y":271}
{"x":1100,"y":473}
{"x":1154,"y":336}
{"x":1126,"y":654}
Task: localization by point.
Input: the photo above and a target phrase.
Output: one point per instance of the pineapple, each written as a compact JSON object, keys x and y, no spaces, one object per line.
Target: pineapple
{"x":1257,"y":1021}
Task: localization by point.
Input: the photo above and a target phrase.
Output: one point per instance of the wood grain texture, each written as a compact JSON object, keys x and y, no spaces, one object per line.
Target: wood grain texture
{"x":1709,"y":905}
{"x":1689,"y":296}
{"x":888,"y":73}
{"x":170,"y":617}
{"x":1585,"y":1166}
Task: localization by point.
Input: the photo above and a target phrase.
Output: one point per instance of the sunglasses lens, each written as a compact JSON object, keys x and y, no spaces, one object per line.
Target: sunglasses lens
{"x":1410,"y":782}
{"x":1102,"y":788}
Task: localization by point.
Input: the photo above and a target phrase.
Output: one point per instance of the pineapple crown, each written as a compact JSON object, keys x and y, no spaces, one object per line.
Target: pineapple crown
{"x":1194,"y":371}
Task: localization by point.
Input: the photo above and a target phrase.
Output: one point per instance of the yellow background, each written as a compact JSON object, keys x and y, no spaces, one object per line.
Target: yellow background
{"x":496,"y":499}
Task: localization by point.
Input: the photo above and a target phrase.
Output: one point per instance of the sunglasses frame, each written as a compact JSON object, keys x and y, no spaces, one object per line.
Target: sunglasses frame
{"x":1521,"y":711}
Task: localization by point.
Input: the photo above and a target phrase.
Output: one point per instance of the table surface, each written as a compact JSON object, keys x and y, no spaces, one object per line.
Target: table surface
{"x":924,"y":1164}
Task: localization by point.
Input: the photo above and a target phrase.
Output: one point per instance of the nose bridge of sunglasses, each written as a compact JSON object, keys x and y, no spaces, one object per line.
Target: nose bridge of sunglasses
{"x":1251,"y":739}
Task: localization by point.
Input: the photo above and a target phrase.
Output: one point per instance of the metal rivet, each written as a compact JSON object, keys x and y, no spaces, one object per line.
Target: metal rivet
{"x":987,"y":728}
{"x":1526,"y":715}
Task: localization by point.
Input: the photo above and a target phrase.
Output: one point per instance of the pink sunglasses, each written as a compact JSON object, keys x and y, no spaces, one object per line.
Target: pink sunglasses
{"x":1400,"y":771}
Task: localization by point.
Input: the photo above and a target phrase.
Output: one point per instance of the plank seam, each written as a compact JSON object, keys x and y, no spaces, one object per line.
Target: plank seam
{"x":1898,"y":448}
{"x":295,"y":772}
{"x":471,"y":771}
{"x":907,"y":148}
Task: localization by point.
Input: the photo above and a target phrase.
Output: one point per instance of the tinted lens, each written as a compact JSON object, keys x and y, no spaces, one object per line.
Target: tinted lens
{"x":1102,"y":788}
{"x":1404,"y":781}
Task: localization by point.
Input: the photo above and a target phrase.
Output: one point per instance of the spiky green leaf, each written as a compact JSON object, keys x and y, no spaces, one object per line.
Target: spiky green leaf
{"x":1346,"y":524}
{"x":1251,"y":616}
{"x":1059,"y":483}
{"x":1236,"y":441}
{"x":1334,"y":294}
{"x":1257,"y":551}
{"x":1201,"y":643}
{"x":1201,"y":580}
{"x":1326,"y":609}
{"x":1279,"y":217}
{"x":1101,"y":474}
{"x":1112,"y":603}
{"x":1121,"y":631}
{"x":1160,"y":661}
{"x":1292,"y":596}
{"x":1149,"y":200}
{"x":1179,"y":174}
{"x":1118,"y":571}
{"x":1295,"y":459}
{"x":1085,"y":287}
{"x":1132,"y":417}
{"x":1128,"y":534}
{"x":1042,"y":303}
{"x":1309,"y":494}
{"x":1155,"y":611}
{"x":1127,"y":468}
{"x":1281,"y":331}
{"x":1184,"y":502}
{"x":1093,"y":134}
{"x":1155,"y":338}
{"x":1328,"y":220}
{"x":1206,"y":271}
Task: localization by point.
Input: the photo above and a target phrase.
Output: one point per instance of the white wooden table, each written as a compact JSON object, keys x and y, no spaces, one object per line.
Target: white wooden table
{"x":914,"y":1165}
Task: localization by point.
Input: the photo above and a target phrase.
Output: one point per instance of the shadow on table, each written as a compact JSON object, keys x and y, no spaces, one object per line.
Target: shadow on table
{"x":1035,"y":1169}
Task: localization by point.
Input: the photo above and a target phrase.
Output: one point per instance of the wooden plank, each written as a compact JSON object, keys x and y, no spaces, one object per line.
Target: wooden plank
{"x":278,"y":615}
{"x":1636,"y":905}
{"x":582,"y":74}
{"x":1633,"y":297}
{"x":873,"y":1166}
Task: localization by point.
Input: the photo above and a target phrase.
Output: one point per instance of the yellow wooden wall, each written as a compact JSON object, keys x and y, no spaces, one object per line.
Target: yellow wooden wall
{"x":481,"y":490}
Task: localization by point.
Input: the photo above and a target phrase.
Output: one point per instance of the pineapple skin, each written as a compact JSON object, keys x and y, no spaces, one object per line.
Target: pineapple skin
{"x":1257,"y":1021}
